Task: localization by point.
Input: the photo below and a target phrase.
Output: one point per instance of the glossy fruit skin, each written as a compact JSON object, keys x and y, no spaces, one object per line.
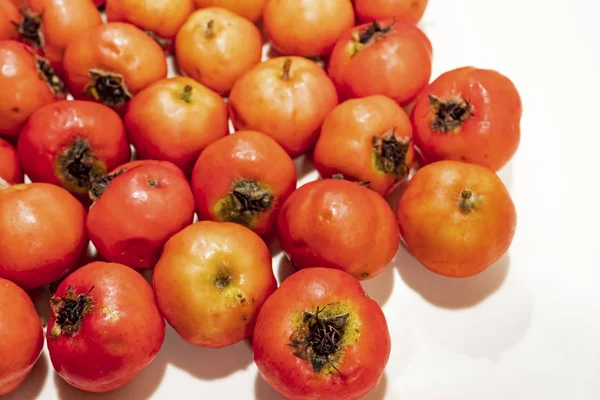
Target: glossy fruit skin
{"x":217,"y":56}
{"x":249,"y":9}
{"x":21,"y":336}
{"x":62,"y":20}
{"x":9,"y":13}
{"x":166,"y":121}
{"x":404,"y":10}
{"x":10,"y":167}
{"x":118,"y":48}
{"x":138,"y":212}
{"x":187,"y":277}
{"x":443,"y":236}
{"x":289,"y":109}
{"x":19,"y":3}
{"x":162,"y":17}
{"x":245,"y":155}
{"x":346,"y":144}
{"x":122,"y":309}
{"x":136,"y":163}
{"x":53,"y":129}
{"x":318,"y":223}
{"x":490,"y":137}
{"x":397,"y":65}
{"x":363,"y":358}
{"x":42,"y":234}
{"x":23,"y":90}
{"x":307,"y":27}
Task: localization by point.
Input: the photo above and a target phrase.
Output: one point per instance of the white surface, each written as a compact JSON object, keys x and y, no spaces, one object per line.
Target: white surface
{"x":528,"y":328}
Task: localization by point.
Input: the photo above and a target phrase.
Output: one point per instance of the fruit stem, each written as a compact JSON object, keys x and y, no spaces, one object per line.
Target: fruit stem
{"x":287,"y":65}
{"x":210,"y":29}
{"x":467,"y":200}
{"x":186,"y":95}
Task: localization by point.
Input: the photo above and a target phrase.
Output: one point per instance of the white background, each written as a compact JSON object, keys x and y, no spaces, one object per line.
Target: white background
{"x":529,"y":327}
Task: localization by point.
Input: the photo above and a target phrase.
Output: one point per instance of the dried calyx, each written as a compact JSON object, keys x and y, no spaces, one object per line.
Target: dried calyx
{"x":389,"y":154}
{"x":468,"y":200}
{"x":318,"y":338}
{"x":69,"y":311}
{"x":46,"y":73}
{"x":223,"y":279}
{"x":99,"y":185}
{"x":78,"y":168}
{"x":244,"y":203}
{"x":30,"y":29}
{"x":371,"y":34}
{"x":108,"y":88}
{"x":209,"y":31}
{"x":186,"y":94}
{"x":340,"y":177}
{"x":449,"y":114}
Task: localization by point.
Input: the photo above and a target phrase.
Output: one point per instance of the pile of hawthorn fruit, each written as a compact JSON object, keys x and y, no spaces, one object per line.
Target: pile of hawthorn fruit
{"x":317,"y":336}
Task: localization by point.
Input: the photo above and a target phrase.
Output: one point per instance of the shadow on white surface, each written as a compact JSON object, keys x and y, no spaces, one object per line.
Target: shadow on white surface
{"x":507,"y":175}
{"x":487,"y":331}
{"x":142,"y":387}
{"x":304,"y":166}
{"x":381,"y":287}
{"x":450,"y":292}
{"x":262,"y":391}
{"x":205,"y":364}
{"x":284,"y":269}
{"x":32,"y":386}
{"x":380,"y":391}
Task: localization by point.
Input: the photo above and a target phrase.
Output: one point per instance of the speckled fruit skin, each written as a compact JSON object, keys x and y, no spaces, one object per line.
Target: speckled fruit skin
{"x":442,"y":233}
{"x":174,"y":120}
{"x":54,"y":128}
{"x":396,"y":64}
{"x":346,"y":147}
{"x":21,"y":336}
{"x":216,"y":47}
{"x":138,"y":212}
{"x":289,"y":107}
{"x":307,"y":27}
{"x":489,"y":137}
{"x":120,"y":336}
{"x":61,"y":20}
{"x":362,"y":358}
{"x":243,"y":155}
{"x":211,"y":281}
{"x":117,"y":48}
{"x":338,"y":224}
{"x":23,"y":90}
{"x":42,"y":233}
